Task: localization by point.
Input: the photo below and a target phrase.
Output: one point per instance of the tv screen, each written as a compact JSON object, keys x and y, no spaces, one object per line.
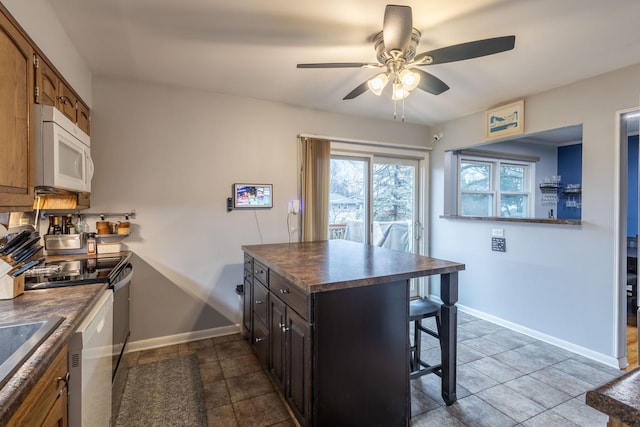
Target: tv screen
{"x":252,"y":196}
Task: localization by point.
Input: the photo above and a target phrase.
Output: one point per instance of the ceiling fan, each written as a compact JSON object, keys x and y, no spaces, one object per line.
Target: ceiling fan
{"x":396,"y":46}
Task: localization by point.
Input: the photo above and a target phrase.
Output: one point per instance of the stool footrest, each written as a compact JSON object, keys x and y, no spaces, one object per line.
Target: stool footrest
{"x":426,"y":369}
{"x":427,"y":330}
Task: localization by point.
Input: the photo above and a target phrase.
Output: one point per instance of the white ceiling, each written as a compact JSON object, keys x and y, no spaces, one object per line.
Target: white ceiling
{"x":251,"y":47}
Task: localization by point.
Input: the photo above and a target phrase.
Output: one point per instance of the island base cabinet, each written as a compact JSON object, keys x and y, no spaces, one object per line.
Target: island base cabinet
{"x":340,"y":357}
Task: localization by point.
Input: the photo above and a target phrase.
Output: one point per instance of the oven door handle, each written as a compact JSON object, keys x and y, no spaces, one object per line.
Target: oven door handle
{"x":125,"y":280}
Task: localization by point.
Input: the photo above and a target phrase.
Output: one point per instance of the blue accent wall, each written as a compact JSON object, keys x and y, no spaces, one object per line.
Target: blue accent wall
{"x":570,"y":169}
{"x":632,"y":187}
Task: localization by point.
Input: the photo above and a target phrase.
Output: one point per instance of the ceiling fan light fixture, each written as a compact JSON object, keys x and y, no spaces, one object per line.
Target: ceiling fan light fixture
{"x":410,"y":79}
{"x":377,"y":83}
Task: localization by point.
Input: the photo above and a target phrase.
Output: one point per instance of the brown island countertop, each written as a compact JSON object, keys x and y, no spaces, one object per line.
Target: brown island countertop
{"x":72,"y":303}
{"x":340,"y":264}
{"x":619,"y":398}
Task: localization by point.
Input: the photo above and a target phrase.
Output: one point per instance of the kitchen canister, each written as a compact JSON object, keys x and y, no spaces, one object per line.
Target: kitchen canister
{"x":103,"y":227}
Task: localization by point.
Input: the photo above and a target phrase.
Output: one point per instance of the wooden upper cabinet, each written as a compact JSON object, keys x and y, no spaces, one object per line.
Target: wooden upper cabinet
{"x":84,"y":118}
{"x":67,"y":102}
{"x":47,"y":83}
{"x":52,"y":90}
{"x":16,"y":108}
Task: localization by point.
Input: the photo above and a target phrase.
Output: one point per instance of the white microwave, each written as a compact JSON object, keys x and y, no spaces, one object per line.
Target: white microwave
{"x":62,"y":152}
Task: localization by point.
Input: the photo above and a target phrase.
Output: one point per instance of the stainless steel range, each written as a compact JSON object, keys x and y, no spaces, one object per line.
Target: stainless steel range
{"x":117,"y":272}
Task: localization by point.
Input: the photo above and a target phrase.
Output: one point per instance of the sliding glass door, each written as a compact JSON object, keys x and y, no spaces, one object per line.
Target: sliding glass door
{"x":375,"y":200}
{"x":395,"y":216}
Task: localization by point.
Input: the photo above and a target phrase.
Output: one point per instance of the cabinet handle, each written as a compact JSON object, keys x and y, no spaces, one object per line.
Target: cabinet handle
{"x":63,"y":99}
{"x":259,"y":271}
{"x":257,"y":340}
{"x":284,"y":328}
{"x":285,"y":291}
{"x":259,"y":301}
{"x":65,"y":379}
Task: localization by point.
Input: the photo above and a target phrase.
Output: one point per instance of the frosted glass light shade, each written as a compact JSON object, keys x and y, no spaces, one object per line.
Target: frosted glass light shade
{"x":377,"y":83}
{"x":410,"y":79}
{"x":399,"y":91}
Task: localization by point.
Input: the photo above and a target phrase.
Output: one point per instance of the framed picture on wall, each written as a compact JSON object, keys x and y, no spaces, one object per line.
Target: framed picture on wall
{"x":504,"y":121}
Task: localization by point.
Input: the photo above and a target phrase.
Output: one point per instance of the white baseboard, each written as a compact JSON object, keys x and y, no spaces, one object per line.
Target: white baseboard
{"x":181,"y":338}
{"x":566,"y":345}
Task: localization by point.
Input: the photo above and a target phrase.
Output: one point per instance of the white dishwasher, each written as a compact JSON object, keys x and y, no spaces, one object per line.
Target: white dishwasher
{"x":90,"y":352}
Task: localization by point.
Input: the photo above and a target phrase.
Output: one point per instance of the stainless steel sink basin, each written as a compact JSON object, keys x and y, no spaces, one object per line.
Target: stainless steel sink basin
{"x":19,"y":340}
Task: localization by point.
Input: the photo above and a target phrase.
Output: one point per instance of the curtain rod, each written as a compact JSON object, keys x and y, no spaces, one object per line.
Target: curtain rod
{"x":366,"y":142}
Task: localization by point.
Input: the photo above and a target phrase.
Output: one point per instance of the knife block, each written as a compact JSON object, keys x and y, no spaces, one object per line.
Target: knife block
{"x":11,"y":287}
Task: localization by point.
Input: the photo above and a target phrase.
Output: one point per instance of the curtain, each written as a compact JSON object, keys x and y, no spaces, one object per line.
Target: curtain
{"x":314,"y":177}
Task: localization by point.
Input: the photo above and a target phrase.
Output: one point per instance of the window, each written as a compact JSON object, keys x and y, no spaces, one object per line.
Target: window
{"x":495,"y":187}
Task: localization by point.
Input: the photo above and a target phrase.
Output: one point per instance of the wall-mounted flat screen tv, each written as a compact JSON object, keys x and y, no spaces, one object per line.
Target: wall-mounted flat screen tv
{"x":252,"y":196}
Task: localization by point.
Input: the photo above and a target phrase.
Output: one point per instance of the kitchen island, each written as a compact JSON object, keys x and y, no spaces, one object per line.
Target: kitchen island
{"x":329,"y":321}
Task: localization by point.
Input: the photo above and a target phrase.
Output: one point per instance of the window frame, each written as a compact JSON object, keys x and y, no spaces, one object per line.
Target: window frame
{"x":495,"y":164}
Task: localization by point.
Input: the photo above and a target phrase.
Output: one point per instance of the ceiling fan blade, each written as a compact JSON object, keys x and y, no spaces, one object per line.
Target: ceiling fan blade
{"x":397,"y":27}
{"x":357,"y":91}
{"x":469,"y":50}
{"x":430,"y":83}
{"x":338,"y":65}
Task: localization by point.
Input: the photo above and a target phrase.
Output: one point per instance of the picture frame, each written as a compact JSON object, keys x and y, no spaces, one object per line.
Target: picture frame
{"x":505,"y":120}
{"x":252,"y":196}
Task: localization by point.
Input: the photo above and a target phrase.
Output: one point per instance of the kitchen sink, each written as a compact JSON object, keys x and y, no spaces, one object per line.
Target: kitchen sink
{"x":21,"y":339}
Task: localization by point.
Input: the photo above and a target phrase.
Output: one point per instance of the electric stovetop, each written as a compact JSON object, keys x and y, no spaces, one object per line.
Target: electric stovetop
{"x":59,"y":273}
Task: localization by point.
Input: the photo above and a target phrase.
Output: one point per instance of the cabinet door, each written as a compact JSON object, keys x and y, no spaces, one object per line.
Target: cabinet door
{"x":261,"y":342}
{"x":57,"y":416}
{"x":298,"y":366}
{"x":84,"y":120}
{"x":277,"y":333}
{"x":16,"y":106}
{"x":247,"y":298}
{"x":45,"y":395}
{"x":67,"y":102}
{"x":47,"y":83}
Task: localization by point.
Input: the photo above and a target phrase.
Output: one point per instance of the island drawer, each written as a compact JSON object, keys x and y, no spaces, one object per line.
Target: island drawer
{"x":261,"y":272}
{"x":290,"y":294}
{"x":260,"y":301}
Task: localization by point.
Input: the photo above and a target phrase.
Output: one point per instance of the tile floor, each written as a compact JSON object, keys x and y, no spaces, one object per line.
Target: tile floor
{"x":504,"y":379}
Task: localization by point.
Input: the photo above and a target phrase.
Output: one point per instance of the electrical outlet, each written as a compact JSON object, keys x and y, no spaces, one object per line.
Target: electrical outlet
{"x":497,"y":232}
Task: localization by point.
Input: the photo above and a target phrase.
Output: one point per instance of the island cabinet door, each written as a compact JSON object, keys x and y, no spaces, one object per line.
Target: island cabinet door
{"x":247,"y":312}
{"x":261,"y":337}
{"x":277,"y":331}
{"x":261,"y":342}
{"x":298,"y":362}
{"x":247,"y":307}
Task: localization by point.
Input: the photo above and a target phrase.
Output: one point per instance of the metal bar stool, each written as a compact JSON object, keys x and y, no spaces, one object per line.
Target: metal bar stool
{"x":420,"y":309}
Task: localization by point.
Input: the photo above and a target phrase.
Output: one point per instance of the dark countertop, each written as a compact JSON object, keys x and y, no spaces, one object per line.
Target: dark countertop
{"x":619,"y":398}
{"x":73,"y":303}
{"x":338,"y":264}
